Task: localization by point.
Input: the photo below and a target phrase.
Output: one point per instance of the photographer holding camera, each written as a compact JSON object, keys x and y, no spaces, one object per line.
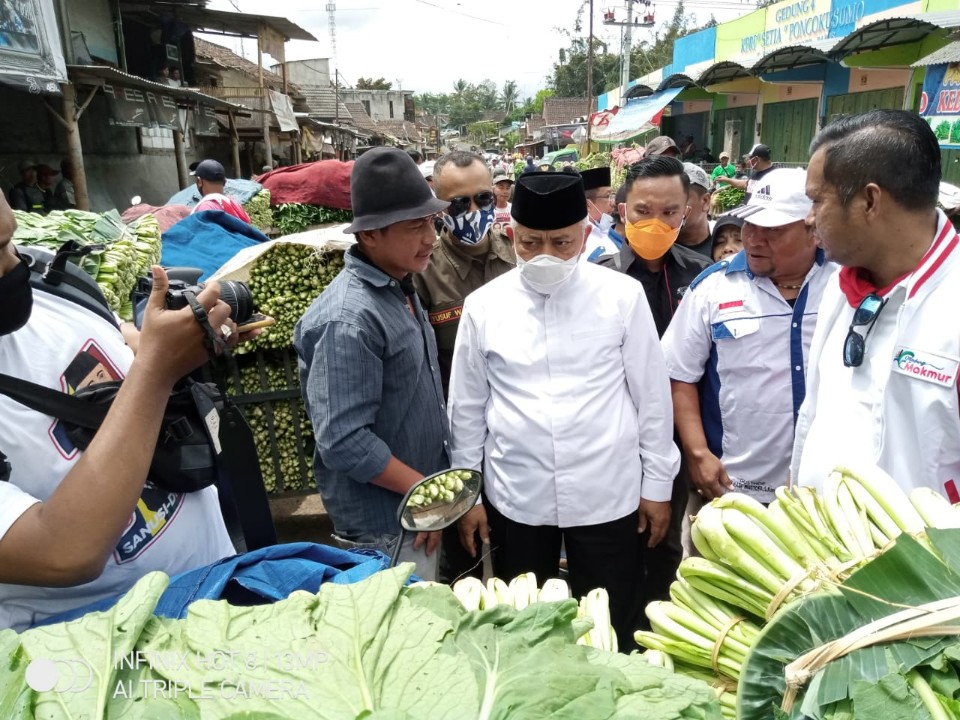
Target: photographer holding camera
{"x":79,"y":526}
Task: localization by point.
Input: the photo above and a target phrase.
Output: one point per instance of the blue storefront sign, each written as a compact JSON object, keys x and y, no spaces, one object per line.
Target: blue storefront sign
{"x":940,"y":103}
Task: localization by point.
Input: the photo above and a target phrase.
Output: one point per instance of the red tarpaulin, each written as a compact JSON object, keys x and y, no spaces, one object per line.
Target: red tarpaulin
{"x":325,"y":183}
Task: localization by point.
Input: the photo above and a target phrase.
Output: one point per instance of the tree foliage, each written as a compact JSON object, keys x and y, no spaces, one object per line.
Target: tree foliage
{"x":569,"y":77}
{"x":468,"y":102}
{"x":371,"y":84}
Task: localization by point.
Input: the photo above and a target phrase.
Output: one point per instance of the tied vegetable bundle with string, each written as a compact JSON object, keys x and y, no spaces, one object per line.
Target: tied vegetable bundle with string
{"x":755,"y":560}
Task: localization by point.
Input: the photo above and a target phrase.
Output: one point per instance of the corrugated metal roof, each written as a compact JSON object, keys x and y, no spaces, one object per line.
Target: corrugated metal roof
{"x":947,"y":54}
{"x":895,"y":31}
{"x":676,"y":80}
{"x":96,"y":75}
{"x":722,"y":72}
{"x":792,"y":56}
{"x":216,"y":21}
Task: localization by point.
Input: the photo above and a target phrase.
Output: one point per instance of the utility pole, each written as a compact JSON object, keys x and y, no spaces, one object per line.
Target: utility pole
{"x":625,"y":51}
{"x":631,"y":22}
{"x":589,"y":75}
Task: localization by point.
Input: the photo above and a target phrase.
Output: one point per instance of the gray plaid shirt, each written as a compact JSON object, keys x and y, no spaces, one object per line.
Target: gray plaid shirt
{"x":370,"y":379}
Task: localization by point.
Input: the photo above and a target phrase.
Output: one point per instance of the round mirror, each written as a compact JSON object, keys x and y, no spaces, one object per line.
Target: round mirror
{"x":439,"y":500}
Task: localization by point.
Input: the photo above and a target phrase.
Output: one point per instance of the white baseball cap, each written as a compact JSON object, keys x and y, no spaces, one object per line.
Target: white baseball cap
{"x":426,"y":168}
{"x":778,"y":198}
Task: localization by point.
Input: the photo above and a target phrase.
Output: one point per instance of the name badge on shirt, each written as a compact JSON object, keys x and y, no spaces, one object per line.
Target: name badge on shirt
{"x":922,"y":365}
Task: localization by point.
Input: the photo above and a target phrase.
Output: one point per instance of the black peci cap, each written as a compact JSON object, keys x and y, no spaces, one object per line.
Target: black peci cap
{"x":595,"y":178}
{"x":548,"y":201}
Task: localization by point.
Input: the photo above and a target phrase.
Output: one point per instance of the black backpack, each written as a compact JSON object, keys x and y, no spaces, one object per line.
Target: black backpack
{"x":235,"y":470}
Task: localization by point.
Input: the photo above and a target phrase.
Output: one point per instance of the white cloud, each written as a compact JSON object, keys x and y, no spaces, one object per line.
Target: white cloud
{"x":427,"y":45}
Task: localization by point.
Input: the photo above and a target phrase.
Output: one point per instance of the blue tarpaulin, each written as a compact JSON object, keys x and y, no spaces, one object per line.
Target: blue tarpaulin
{"x":206,"y":240}
{"x":255,"y":578}
{"x":239,"y":190}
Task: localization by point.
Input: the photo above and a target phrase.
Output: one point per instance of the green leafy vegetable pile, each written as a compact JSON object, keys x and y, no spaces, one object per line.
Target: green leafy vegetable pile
{"x":128,"y":251}
{"x":292,"y":218}
{"x":373,"y":650}
{"x":727,"y":198}
{"x":258,"y":208}
{"x":593,"y":160}
{"x":287,"y":462}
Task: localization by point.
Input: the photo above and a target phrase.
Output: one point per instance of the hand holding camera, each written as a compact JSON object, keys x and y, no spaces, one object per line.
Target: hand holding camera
{"x":172,"y":341}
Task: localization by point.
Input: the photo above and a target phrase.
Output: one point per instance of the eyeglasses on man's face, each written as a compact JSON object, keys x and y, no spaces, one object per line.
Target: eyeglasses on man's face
{"x":866,"y":315}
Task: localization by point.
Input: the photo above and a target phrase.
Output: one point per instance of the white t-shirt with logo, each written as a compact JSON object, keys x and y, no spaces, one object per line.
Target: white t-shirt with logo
{"x":501,"y":220}
{"x":66,"y":347}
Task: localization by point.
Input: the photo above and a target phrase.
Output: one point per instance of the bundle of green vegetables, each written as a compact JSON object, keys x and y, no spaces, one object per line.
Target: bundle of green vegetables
{"x":593,"y":160}
{"x":259,"y":211}
{"x":755,"y":560}
{"x":522,"y":592}
{"x":291,"y":218}
{"x":281,"y":428}
{"x":371,"y":650}
{"x":884,"y":644}
{"x":127,"y":254}
{"x":285,"y":280}
{"x":726,"y":198}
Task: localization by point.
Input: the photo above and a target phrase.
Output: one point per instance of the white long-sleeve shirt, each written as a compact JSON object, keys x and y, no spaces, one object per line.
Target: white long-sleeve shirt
{"x":564,"y":399}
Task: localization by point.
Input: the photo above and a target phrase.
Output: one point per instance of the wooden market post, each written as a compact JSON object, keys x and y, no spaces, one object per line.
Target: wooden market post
{"x":235,"y":145}
{"x":265,"y":115}
{"x":70,"y":120}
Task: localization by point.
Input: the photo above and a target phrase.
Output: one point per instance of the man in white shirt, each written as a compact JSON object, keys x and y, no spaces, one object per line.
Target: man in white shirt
{"x":600,"y":208}
{"x":502,"y":187}
{"x":736,"y":349}
{"x":560,"y":392}
{"x":882,"y":386}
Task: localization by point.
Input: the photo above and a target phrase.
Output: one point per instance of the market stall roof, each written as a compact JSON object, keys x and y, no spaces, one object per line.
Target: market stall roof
{"x":638,"y":91}
{"x":97,"y":75}
{"x":793,"y":56}
{"x":895,"y":31}
{"x":723,"y":71}
{"x":944,"y":56}
{"x":305,"y":117}
{"x":677,"y":80}
{"x":220,"y":22}
{"x":635,"y":117}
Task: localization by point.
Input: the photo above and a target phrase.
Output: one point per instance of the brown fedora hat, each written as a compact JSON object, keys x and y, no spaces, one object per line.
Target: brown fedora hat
{"x":386,"y":187}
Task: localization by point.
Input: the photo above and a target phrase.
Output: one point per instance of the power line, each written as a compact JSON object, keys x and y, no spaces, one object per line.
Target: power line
{"x":457,"y":12}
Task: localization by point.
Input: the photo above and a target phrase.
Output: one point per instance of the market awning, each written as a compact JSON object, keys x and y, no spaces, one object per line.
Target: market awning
{"x":722,"y":72}
{"x":101,"y":75}
{"x":944,"y":56}
{"x":677,"y":80}
{"x":895,"y":31}
{"x":635,"y":117}
{"x":793,"y":56}
{"x":220,"y":22}
{"x":638,"y":91}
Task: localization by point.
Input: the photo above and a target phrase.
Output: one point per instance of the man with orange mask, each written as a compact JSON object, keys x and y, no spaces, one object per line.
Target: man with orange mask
{"x":655,"y":207}
{"x":737,"y":350}
{"x":654,"y":211}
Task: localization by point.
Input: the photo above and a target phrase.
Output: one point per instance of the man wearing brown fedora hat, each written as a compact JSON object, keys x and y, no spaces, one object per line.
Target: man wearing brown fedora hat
{"x":368,"y":364}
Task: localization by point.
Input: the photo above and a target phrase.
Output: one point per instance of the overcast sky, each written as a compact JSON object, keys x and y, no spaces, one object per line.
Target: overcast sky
{"x":427,"y":45}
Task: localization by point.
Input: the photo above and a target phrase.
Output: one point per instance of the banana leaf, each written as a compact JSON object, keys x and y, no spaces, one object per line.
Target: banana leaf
{"x":869,"y":682}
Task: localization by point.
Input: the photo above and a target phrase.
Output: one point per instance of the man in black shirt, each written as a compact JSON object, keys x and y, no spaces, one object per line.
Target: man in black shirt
{"x":695,"y":233}
{"x":760,"y":165}
{"x":655,"y":210}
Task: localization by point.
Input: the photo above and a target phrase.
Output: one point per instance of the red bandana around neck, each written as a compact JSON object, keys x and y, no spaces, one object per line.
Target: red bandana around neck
{"x":856,"y":285}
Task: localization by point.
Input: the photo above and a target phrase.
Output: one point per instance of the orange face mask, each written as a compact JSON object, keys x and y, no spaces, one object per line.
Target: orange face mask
{"x":651,"y":239}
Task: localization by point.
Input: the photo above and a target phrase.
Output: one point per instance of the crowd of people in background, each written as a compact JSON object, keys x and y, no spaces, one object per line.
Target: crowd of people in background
{"x":610,"y":356}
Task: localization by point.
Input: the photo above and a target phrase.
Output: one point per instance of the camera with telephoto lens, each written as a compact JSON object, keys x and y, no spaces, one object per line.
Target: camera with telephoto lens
{"x":234,"y":293}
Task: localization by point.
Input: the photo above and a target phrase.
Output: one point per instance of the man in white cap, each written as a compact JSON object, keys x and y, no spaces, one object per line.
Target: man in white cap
{"x":560,"y":393}
{"x":737,"y":348}
{"x":725,"y":168}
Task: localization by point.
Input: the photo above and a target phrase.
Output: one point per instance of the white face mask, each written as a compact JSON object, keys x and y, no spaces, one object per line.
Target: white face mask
{"x":606,"y":222}
{"x":546,"y":273}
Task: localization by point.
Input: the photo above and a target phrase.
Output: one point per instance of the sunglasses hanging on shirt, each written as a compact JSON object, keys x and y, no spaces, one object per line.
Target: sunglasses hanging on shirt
{"x":855,"y":345}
